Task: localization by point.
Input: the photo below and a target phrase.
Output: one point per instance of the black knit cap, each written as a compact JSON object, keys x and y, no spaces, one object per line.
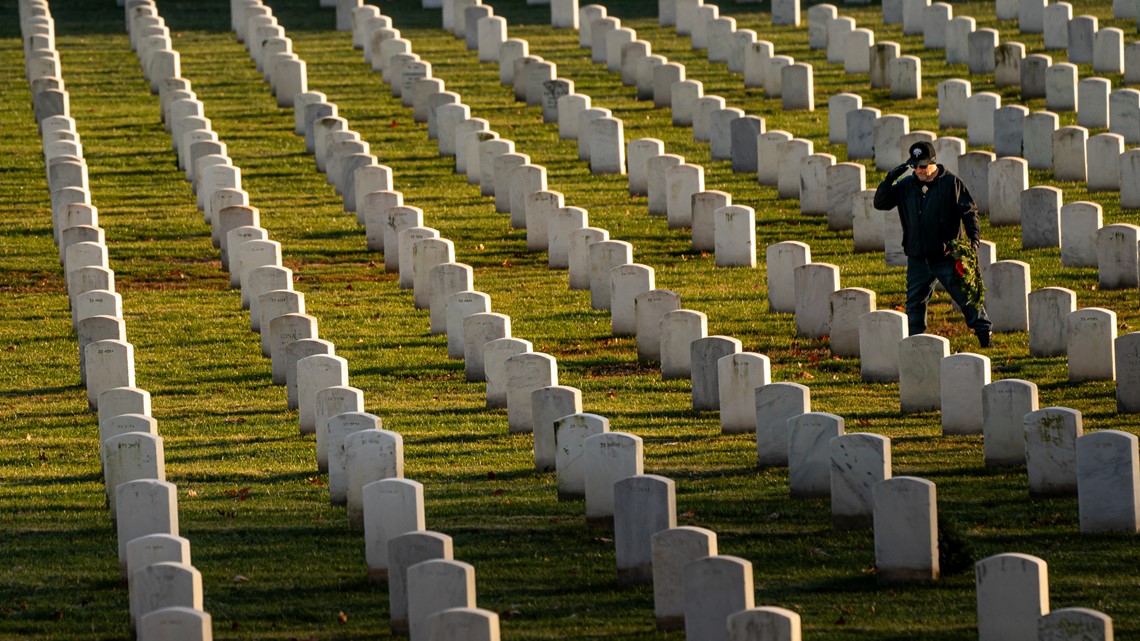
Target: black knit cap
{"x":920,"y":152}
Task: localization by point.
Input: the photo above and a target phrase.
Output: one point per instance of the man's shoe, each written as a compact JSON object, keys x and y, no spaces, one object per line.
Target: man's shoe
{"x":984,"y":339}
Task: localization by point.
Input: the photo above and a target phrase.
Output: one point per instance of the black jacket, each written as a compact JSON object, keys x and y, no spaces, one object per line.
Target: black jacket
{"x":931,"y":220}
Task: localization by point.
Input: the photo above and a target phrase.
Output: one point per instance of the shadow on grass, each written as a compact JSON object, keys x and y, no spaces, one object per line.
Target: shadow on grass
{"x":22,"y":393}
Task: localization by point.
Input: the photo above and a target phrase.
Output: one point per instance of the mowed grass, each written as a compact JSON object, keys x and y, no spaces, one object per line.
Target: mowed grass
{"x":277,"y":561}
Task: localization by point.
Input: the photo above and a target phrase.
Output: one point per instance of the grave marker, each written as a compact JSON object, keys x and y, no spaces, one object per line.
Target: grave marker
{"x":1049,"y":310}
{"x":1012,"y":594}
{"x":705,"y":354}
{"x":858,"y":462}
{"x":331,"y":401}
{"x":548,"y":404}
{"x":678,"y":331}
{"x":906,"y":530}
{"x":609,"y":457}
{"x":672,"y":550}
{"x":739,"y":375}
{"x":392,"y":507}
{"x":814,"y":284}
{"x":847,"y":306}
{"x":715,"y":587}
{"x":1051,"y":434}
{"x":879,"y":334}
{"x":961,"y":379}
{"x":369,"y":455}
{"x":405,"y":551}
{"x":570,"y":434}
{"x":1091,"y":338}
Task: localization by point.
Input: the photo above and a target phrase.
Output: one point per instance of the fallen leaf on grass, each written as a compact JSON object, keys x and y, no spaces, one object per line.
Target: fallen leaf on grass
{"x":342,"y":617}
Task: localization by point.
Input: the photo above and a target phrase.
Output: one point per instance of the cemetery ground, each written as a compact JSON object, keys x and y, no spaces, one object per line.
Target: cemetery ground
{"x":278,"y":562}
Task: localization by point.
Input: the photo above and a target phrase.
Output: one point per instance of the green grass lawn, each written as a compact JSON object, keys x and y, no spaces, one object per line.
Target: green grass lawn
{"x":537,"y":563}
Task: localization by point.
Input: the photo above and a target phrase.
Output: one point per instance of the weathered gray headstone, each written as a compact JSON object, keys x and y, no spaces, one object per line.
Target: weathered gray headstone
{"x":524,"y":373}
{"x":716,"y":587}
{"x":961,"y":379}
{"x":1079,"y":228}
{"x":678,"y":330}
{"x":739,"y":375}
{"x":392,"y":507}
{"x":548,"y":404}
{"x":437,"y":586}
{"x":145,"y":506}
{"x":1117,"y":257}
{"x":608,"y":457}
{"x":570,"y":434}
{"x":705,"y":354}
{"x":643,"y":506}
{"x":1051,"y":435}
{"x":1049,"y":310}
{"x":906,"y":530}
{"x":1127,"y":356}
{"x":953,"y":97}
{"x":809,"y":459}
{"x":369,"y":455}
{"x":814,"y":284}
{"x":1040,"y":217}
{"x":1091,"y":338}
{"x":673,"y":549}
{"x":1007,"y":295}
{"x":1070,"y":624}
{"x":405,"y":551}
{"x":980,"y":110}
{"x":1108,"y":482}
{"x":858,"y":461}
{"x":705,"y":205}
{"x":1061,"y":87}
{"x":1012,"y":595}
{"x":782,"y":261}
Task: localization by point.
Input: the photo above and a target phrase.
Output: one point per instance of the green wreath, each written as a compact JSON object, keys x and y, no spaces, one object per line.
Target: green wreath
{"x":967,"y":272}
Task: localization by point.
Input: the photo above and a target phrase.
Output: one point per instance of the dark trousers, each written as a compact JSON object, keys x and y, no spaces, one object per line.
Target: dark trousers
{"x":920,"y":276}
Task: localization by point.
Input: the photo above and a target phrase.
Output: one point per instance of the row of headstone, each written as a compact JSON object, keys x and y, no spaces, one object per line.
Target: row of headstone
{"x":598,"y":437}
{"x":435,"y":599}
{"x":165,"y":590}
{"x":1014,"y":130}
{"x":592,"y":463}
{"x":586,"y":449}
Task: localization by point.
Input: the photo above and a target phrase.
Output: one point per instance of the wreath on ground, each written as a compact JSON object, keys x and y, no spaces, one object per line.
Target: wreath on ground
{"x":967,"y":272}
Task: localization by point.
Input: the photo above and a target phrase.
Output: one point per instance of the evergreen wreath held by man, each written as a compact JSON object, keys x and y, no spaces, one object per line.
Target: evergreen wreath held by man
{"x":940,"y":238}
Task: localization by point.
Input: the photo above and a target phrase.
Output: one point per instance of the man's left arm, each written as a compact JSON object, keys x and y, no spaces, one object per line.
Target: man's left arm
{"x":968,"y":210}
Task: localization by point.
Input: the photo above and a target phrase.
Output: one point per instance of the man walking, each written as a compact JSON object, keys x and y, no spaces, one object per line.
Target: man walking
{"x":935,"y":209}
